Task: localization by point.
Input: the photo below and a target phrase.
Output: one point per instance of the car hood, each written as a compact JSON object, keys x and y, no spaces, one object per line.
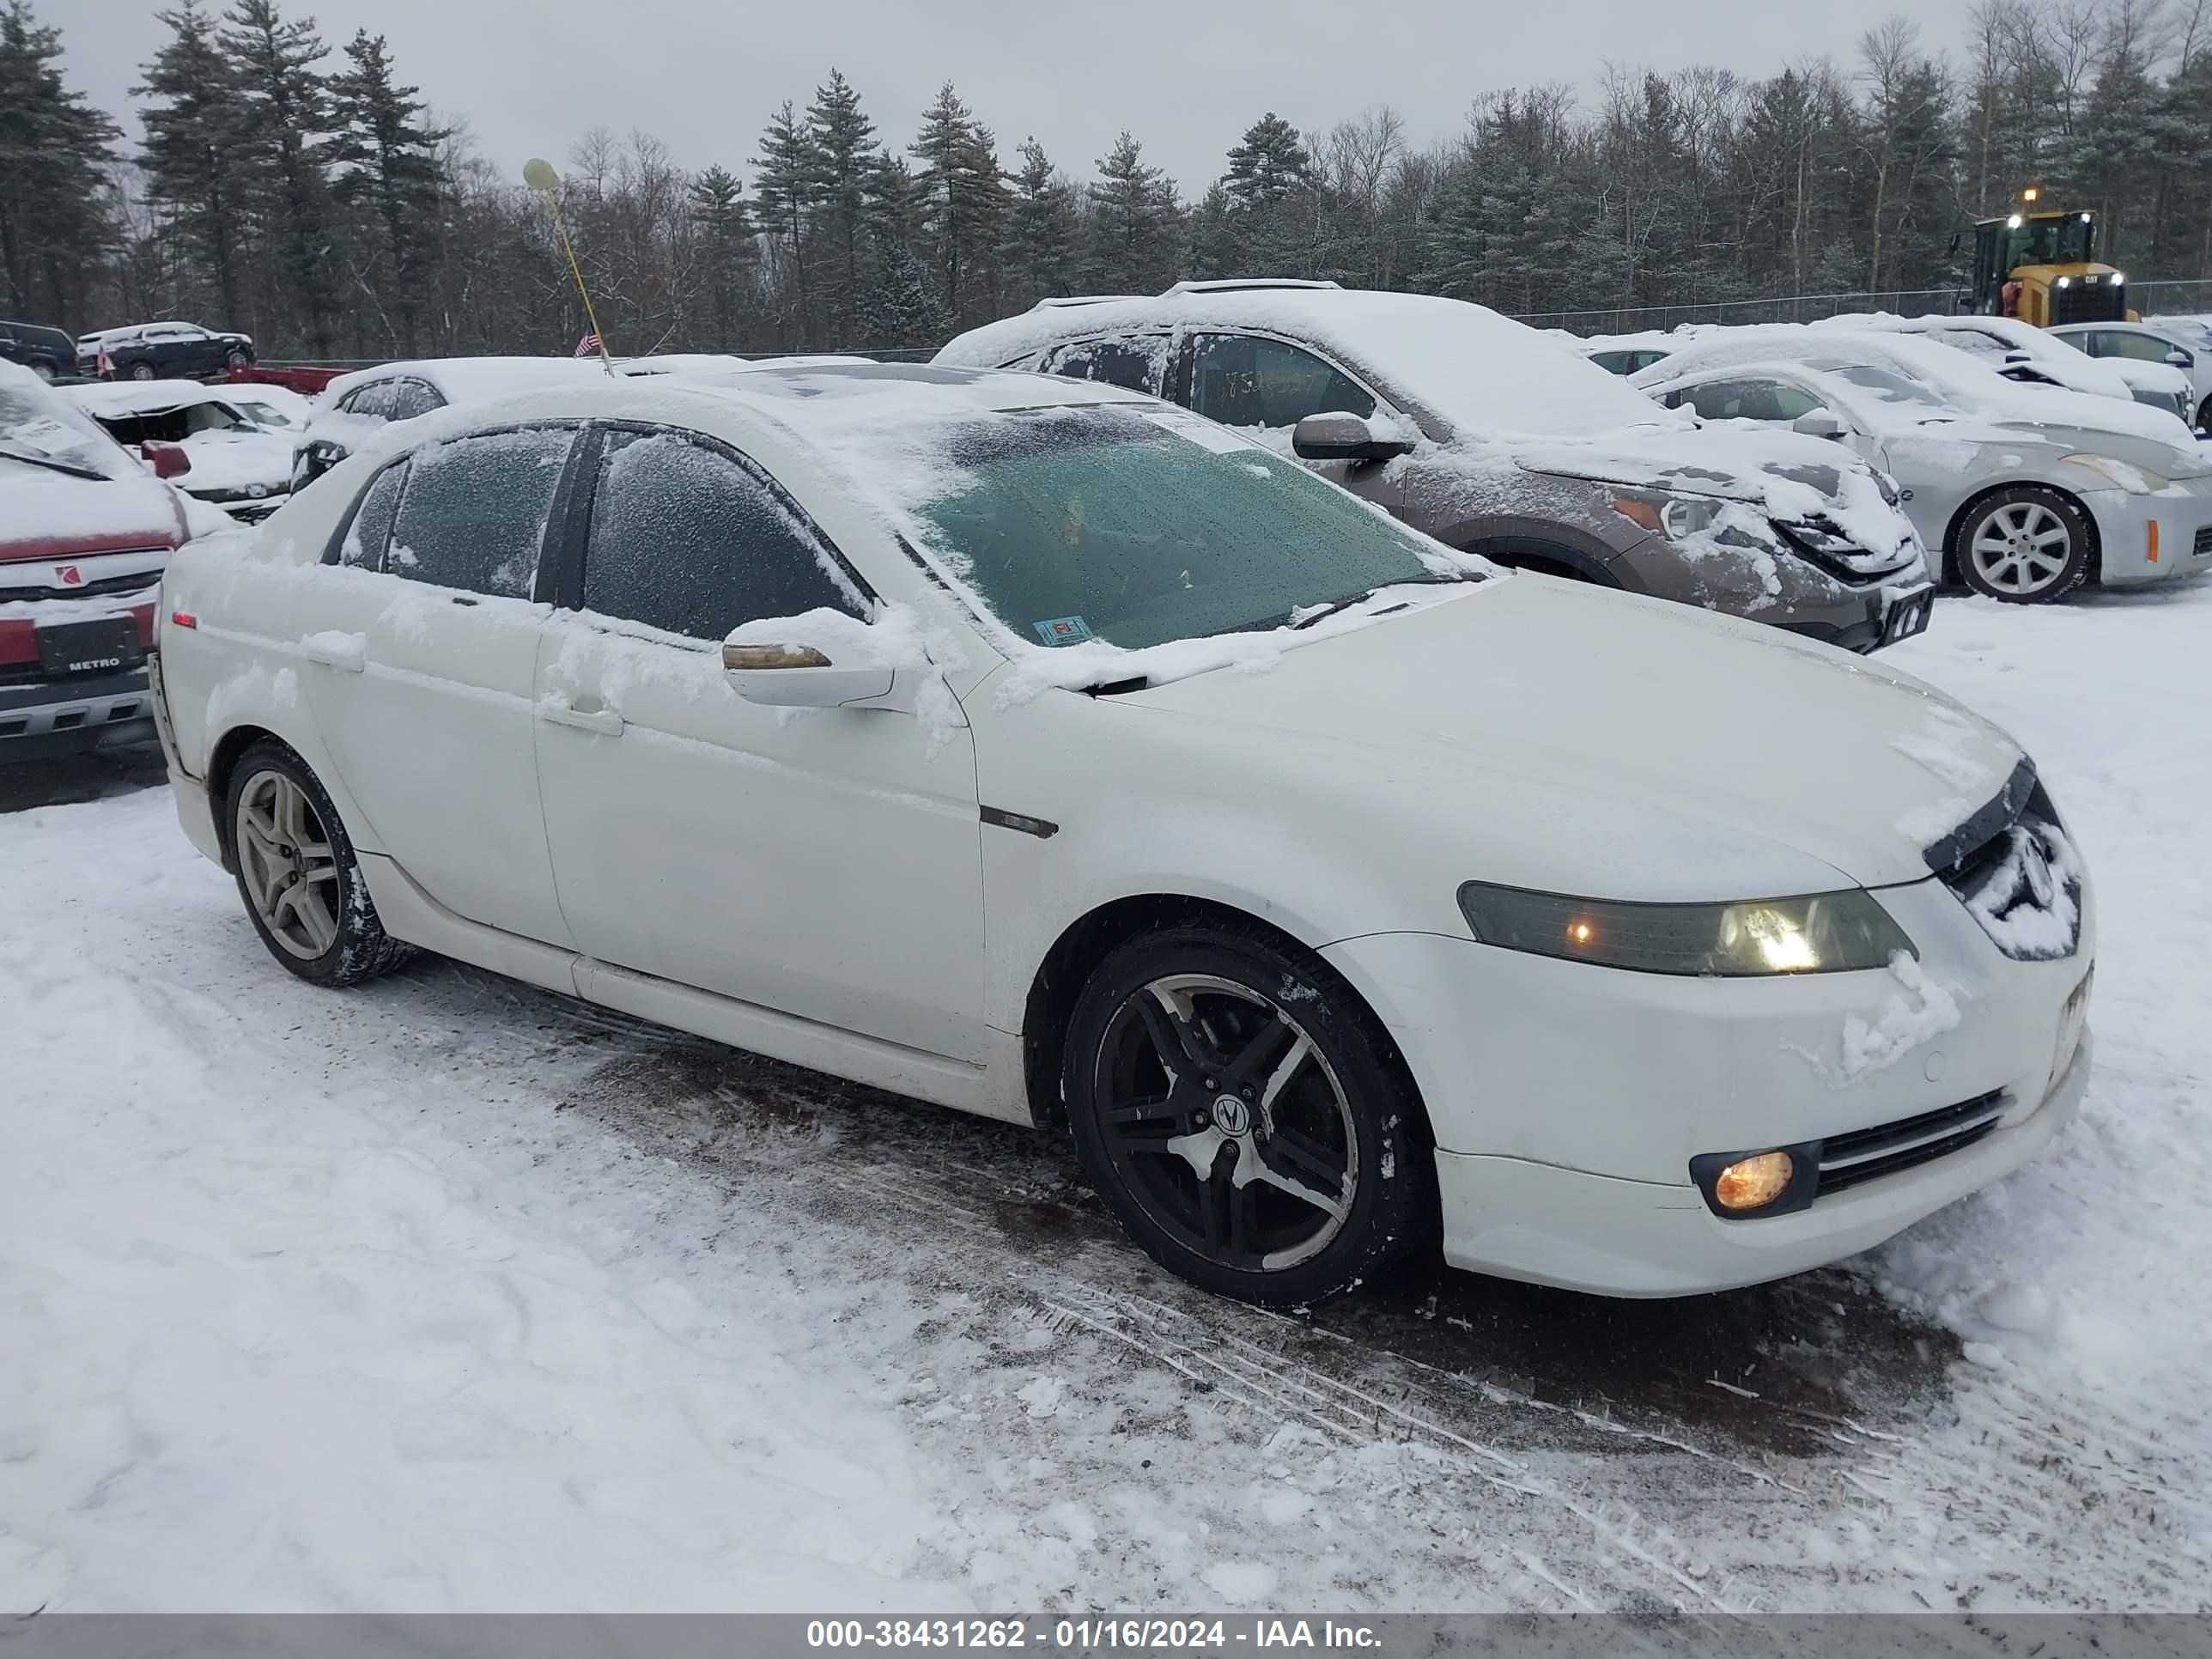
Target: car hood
{"x":1740,"y":463}
{"x":237,"y":460}
{"x":1548,"y":735}
{"x":49,"y":515}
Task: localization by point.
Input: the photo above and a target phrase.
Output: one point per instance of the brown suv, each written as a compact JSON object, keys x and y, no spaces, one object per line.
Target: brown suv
{"x":1503,"y":441}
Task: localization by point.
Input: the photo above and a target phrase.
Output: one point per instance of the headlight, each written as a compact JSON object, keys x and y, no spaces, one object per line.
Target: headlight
{"x":1816,"y":933}
{"x":2135,"y":480}
{"x":1672,"y":516}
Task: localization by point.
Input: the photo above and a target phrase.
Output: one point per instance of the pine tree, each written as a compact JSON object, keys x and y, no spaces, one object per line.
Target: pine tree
{"x":53,"y":146}
{"x":1134,"y":222}
{"x":844,"y":153}
{"x":964,"y":192}
{"x":386,"y":154}
{"x":785,"y":175}
{"x":196,"y":162}
{"x":284,"y":119}
{"x":1040,"y":246}
{"x":714,"y":202}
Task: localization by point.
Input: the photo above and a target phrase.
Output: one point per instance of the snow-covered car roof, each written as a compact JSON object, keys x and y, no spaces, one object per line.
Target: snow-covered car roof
{"x":1961,"y":380}
{"x":1477,"y":373}
{"x":714,"y":363}
{"x":2004,"y":335}
{"x":471,"y":379}
{"x":111,"y":399}
{"x":249,"y":396}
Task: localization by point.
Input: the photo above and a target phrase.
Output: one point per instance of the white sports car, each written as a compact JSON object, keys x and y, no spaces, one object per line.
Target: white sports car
{"x":1041,"y":749}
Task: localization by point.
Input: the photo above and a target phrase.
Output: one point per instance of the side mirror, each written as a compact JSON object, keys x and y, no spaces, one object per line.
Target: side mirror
{"x":166,"y":459}
{"x":1340,"y":436}
{"x":821,"y":660}
{"x":2180,"y":359}
{"x":1818,"y":423}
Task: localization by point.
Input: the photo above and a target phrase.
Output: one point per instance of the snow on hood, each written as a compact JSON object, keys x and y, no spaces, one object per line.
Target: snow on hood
{"x":1792,"y":477}
{"x":45,"y":515}
{"x":237,"y":459}
{"x":1647,"y":750}
{"x":109,"y":398}
{"x":1463,"y":370}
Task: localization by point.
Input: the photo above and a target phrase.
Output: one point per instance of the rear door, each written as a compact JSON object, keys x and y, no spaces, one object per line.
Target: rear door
{"x":826,"y":863}
{"x":421,"y":676}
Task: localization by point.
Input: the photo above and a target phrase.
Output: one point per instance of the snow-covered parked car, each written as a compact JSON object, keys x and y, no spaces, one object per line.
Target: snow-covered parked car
{"x":1044,"y":751}
{"x":1504,"y":442}
{"x":2028,"y":355}
{"x":2179,"y":345}
{"x":162,"y":351}
{"x":85,"y":531}
{"x":2024,"y":504}
{"x":237,"y":463}
{"x":271,"y":407}
{"x":354,"y":407}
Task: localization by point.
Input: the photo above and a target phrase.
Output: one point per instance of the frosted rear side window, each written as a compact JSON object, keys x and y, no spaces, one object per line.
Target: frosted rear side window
{"x":473,"y":516}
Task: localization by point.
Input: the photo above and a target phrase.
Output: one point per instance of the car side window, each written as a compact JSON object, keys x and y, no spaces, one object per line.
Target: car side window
{"x":1749,"y":400}
{"x":1241,"y":380}
{"x":373,"y":400}
{"x":1134,"y":362}
{"x":685,"y":538}
{"x":364,"y":540}
{"x":474,"y":510}
{"x":2143,"y":348}
{"x":412,"y":398}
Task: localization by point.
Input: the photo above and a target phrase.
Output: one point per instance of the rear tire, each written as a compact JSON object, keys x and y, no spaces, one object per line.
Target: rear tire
{"x":239,"y":358}
{"x":44,"y":371}
{"x":141,"y":371}
{"x":297,"y":874}
{"x":2204,"y":416}
{"x":1241,"y":1113}
{"x":2026,"y":545}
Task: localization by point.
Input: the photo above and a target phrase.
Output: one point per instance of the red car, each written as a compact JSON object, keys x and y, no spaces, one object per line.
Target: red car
{"x":85,"y":533}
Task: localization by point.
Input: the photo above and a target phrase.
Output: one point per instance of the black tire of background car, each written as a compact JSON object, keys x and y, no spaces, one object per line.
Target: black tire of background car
{"x":239,"y":357}
{"x":2204,"y":416}
{"x":2079,"y":540}
{"x":1393,"y":1209}
{"x":144,"y":372}
{"x":362,"y":949}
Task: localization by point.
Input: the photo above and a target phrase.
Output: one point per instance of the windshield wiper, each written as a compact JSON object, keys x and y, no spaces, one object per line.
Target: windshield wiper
{"x":49,"y":462}
{"x":1350,"y":599}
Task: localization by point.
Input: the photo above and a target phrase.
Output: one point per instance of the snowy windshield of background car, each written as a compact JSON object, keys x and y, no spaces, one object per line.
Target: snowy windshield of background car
{"x":1139,"y":526}
{"x":35,"y":422}
{"x":1889,"y":386}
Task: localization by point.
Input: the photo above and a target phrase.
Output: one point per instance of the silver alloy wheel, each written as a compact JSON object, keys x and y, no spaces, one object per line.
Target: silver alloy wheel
{"x":290,"y":872}
{"x":2022,"y":548}
{"x":1233,"y":1086}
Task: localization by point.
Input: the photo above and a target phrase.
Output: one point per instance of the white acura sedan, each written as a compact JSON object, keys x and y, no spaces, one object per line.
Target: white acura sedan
{"x":1042,"y":751}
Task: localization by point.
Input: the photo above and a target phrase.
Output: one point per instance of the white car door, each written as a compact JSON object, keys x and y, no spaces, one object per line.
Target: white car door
{"x":423,"y":688}
{"x":823,"y":863}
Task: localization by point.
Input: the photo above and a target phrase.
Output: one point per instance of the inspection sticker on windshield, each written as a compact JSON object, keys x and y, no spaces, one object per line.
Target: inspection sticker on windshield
{"x":1063,"y":630}
{"x":44,"y":434}
{"x":1203,"y":434}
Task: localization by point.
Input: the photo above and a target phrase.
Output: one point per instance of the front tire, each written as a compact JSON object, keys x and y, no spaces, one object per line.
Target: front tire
{"x":1239,"y":1112}
{"x":2204,"y":416}
{"x":2025,"y":545}
{"x":297,"y":874}
{"x":237,"y":358}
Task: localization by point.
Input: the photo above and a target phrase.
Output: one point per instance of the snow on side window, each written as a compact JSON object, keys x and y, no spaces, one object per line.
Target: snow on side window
{"x":686,"y":540}
{"x":1135,"y":364}
{"x":1242,"y":380}
{"x":365,"y":536}
{"x":474,"y":513}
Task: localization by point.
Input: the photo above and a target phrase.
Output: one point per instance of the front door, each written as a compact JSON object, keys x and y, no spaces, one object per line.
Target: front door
{"x":825,"y":863}
{"x":422,"y":677}
{"x":1266,"y":386}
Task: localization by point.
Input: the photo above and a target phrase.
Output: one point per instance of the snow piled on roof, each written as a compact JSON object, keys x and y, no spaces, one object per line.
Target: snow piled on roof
{"x":1469,"y":371}
{"x":106,"y":400}
{"x":471,"y":379}
{"x":2046,"y":353}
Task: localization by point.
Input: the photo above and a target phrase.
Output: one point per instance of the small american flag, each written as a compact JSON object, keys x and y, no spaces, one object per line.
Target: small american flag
{"x":588,"y":346}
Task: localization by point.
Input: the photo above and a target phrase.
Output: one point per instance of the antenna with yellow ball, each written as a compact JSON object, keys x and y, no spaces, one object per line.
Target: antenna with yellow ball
{"x":539,"y":175}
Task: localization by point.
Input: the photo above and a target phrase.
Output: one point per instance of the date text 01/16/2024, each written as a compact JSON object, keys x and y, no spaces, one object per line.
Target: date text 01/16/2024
{"x":1093,"y":1634}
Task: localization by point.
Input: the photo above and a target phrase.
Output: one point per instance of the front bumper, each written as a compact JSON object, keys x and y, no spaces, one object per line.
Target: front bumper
{"x":2175,"y":524}
{"x":1568,"y":1100}
{"x":1630,"y":1238}
{"x":66,"y":717}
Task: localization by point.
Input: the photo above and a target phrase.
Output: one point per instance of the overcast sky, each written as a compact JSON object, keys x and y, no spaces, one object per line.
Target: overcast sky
{"x":1185,"y":75}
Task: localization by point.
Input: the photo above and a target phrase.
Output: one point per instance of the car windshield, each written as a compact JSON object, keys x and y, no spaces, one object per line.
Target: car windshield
{"x":1891,"y":386}
{"x":1139,"y":525}
{"x":37,"y":425}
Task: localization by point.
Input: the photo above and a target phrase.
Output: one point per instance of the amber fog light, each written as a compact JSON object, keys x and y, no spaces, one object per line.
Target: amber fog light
{"x":1753,"y":1183}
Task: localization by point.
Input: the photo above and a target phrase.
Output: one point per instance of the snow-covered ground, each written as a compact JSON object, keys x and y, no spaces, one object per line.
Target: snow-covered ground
{"x":448,"y":1294}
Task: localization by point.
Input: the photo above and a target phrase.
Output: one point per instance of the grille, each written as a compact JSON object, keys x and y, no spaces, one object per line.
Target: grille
{"x":137,"y":580}
{"x":1864,"y":1155}
{"x":1823,"y":542}
{"x":2204,"y":541}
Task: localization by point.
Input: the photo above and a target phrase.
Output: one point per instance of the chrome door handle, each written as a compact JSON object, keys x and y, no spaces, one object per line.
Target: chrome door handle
{"x":607,"y":722}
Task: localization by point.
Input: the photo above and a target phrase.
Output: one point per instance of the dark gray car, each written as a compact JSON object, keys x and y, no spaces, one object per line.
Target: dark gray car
{"x":1504,"y":442}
